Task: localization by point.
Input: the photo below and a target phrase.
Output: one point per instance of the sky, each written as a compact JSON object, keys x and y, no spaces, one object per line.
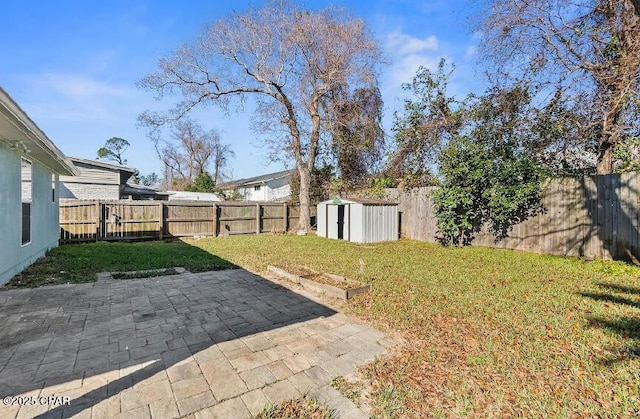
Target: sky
{"x":73,"y":65}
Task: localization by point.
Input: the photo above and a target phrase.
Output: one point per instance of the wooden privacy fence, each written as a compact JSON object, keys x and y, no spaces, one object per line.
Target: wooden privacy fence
{"x":595,"y":217}
{"x":82,"y":221}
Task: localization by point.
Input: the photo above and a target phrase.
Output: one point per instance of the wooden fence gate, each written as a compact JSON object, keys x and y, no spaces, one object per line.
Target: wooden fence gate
{"x":83,"y":221}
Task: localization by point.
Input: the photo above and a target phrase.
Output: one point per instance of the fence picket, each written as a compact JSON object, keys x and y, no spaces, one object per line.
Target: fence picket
{"x":82,"y":221}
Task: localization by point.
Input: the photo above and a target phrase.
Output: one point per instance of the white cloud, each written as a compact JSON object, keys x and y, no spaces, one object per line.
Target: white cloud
{"x":403,"y":44}
{"x":407,"y":53}
{"x":75,"y":97}
{"x":470,"y":52}
{"x":79,"y":87}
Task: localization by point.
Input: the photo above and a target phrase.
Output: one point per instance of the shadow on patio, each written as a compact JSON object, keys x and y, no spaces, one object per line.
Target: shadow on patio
{"x":189,"y":340}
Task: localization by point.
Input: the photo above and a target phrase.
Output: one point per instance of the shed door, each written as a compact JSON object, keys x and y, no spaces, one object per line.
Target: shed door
{"x":340,"y":222}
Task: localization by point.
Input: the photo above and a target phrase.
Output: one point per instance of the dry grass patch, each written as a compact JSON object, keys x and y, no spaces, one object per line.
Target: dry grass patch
{"x":301,"y":408}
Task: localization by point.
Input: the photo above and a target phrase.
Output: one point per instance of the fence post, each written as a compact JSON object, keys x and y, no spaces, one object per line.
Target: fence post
{"x":98,"y":220}
{"x":215,"y":220}
{"x":161,"y":220}
{"x":285,"y":217}
{"x":258,"y":218}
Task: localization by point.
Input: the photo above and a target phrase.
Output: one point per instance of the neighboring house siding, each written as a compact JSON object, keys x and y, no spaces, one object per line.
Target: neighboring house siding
{"x":90,"y":174}
{"x":91,"y":183}
{"x":278,"y":189}
{"x":72,"y":190}
{"x":44,"y":215}
{"x":192,"y":196}
{"x":250,"y":194}
{"x":273,"y":190}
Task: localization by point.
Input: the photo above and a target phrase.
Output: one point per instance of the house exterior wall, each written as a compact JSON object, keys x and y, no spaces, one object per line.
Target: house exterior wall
{"x":73,"y":190}
{"x":93,"y":174}
{"x":44,"y":214}
{"x":273,"y":190}
{"x":278,"y":189}
{"x":250,"y":194}
{"x":91,"y":183}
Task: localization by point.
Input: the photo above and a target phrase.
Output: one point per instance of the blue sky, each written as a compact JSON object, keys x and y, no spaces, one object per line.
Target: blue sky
{"x":73,"y":65}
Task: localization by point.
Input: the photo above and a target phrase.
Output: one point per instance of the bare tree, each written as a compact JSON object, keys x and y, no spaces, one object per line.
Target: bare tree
{"x":589,"y":50}
{"x":191,"y":151}
{"x":285,"y":58}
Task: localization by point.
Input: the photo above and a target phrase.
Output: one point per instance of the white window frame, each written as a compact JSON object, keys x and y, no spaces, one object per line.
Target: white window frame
{"x":28,"y":242}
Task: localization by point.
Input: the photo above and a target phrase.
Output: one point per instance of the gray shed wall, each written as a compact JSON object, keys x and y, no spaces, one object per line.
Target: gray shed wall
{"x":321,"y":220}
{"x":363,"y":223}
{"x":380,"y":223}
{"x":357,"y":228}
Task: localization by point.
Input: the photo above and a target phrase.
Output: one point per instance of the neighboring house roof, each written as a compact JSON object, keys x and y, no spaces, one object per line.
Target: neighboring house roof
{"x":136,"y":189}
{"x":21,"y":133}
{"x":103,"y":164}
{"x":194,"y":196}
{"x":125,"y":172}
{"x":257,"y":180}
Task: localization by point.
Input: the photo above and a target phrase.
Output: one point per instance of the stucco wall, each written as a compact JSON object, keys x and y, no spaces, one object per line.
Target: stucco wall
{"x":44,"y":215}
{"x":70,"y":190}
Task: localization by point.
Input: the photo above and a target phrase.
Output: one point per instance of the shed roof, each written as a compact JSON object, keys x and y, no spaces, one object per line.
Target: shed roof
{"x":363,"y":201}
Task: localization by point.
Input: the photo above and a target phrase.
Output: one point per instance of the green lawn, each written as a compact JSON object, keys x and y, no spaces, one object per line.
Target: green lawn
{"x":79,"y":263}
{"x":488,"y":332}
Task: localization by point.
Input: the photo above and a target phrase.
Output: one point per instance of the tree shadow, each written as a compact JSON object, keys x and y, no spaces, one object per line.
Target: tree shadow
{"x":611,"y":299}
{"x":60,"y":334}
{"x":627,"y":327}
{"x":620,"y":288}
{"x":594,"y":217}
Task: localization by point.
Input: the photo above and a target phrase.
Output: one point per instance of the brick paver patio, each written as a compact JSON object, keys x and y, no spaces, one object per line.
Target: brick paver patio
{"x":215,"y":344}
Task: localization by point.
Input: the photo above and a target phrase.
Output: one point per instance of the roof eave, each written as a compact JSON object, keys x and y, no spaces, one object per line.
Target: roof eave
{"x":31,"y":140}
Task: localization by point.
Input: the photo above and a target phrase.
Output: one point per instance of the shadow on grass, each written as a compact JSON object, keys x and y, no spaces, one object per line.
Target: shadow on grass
{"x":620,"y":288}
{"x":57,"y":335}
{"x":627,"y":327}
{"x":611,"y":299}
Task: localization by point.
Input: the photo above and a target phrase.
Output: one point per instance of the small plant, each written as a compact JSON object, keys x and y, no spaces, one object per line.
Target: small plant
{"x":361,"y":267}
{"x":304,"y":408}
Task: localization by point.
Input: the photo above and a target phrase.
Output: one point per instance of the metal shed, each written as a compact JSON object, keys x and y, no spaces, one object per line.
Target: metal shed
{"x":358,"y":220}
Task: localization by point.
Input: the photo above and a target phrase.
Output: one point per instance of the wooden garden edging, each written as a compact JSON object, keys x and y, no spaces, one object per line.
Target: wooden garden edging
{"x":344,"y":294}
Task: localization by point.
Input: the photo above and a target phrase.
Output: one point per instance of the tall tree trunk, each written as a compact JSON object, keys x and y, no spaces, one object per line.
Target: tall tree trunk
{"x":604,"y":165}
{"x":304,"y":222}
